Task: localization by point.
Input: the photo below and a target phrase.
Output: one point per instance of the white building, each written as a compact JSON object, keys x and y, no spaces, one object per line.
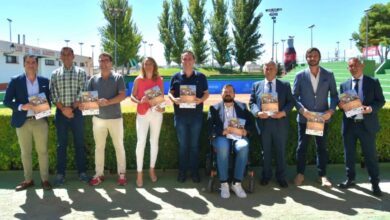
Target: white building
{"x":11,"y":61}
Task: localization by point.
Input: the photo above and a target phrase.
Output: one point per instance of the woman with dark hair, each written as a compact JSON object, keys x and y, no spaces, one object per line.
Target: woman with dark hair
{"x":147,"y":115}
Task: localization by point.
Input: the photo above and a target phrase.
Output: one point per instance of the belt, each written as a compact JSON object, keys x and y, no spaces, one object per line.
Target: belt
{"x":358,"y":120}
{"x":29,"y":118}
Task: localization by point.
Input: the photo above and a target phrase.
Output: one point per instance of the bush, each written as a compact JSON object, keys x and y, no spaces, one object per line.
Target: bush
{"x":168,"y":156}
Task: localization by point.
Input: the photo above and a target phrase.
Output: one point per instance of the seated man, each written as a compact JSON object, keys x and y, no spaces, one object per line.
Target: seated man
{"x":229,"y":122}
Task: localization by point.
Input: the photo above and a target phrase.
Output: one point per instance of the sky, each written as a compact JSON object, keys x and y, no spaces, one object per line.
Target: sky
{"x":47,"y":23}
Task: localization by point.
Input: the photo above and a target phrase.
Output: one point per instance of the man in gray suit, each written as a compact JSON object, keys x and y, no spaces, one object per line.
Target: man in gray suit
{"x":362,"y":126}
{"x":311,"y":90}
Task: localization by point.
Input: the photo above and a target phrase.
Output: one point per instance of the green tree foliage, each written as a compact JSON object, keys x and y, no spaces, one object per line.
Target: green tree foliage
{"x":245,"y":31}
{"x":219,"y":32}
{"x":127,"y":34}
{"x":378,"y":29}
{"x":164,"y":27}
{"x":196,"y":25}
{"x":177,"y":23}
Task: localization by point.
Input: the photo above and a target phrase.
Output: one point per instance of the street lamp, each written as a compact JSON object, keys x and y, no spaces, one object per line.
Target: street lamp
{"x":10,"y":31}
{"x":366,"y":11}
{"x":338,"y":50}
{"x":92,"y":47}
{"x":67,"y":41}
{"x":276,"y":51}
{"x":311,"y":34}
{"x":115,"y":13}
{"x":273,"y":12}
{"x":81,"y":48}
{"x":150,"y":45}
{"x":350,"y":43}
{"x":144,"y":42}
{"x":283,"y":40}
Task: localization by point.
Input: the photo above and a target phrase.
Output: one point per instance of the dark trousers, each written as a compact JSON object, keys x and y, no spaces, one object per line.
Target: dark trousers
{"x":357,"y":131}
{"x":76,"y":125}
{"x":188,"y":129}
{"x":274,"y":136}
{"x":321,"y":152}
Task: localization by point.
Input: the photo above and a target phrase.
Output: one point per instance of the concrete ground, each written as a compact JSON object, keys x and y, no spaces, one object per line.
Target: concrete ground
{"x":168,"y":199}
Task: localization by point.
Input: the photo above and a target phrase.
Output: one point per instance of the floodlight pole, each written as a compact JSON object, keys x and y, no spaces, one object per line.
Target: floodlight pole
{"x":311,"y":34}
{"x":273,"y":12}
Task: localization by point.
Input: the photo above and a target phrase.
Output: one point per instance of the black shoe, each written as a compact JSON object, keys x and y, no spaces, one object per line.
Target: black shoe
{"x":181,"y":178}
{"x":346,"y":184}
{"x":376,"y":190}
{"x":264,"y":182}
{"x":196,"y":178}
{"x":283,"y":183}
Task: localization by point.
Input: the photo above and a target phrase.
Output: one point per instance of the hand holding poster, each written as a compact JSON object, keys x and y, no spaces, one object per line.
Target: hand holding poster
{"x":269,"y":103}
{"x":235,"y":126}
{"x":41,"y":106}
{"x":351,"y":103}
{"x":187,"y":96}
{"x":156,"y":98}
{"x":90,"y":104}
{"x":315,"y":124}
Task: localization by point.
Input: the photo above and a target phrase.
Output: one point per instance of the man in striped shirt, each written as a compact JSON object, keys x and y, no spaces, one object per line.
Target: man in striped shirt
{"x":66,"y":85}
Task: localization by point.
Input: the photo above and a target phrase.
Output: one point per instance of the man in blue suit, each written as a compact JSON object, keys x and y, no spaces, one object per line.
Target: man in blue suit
{"x":23,"y":119}
{"x":224,"y":138}
{"x":362,"y":126}
{"x":273,"y":127}
{"x":311,"y":90}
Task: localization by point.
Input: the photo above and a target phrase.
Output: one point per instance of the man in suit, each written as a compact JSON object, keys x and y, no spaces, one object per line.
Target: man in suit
{"x":224,"y":137}
{"x":272,"y":126}
{"x":311,"y":90}
{"x":23,"y":119}
{"x":362,"y":126}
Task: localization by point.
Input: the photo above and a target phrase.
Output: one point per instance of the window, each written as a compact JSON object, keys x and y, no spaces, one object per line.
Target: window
{"x":82,"y":64}
{"x":74,"y":63}
{"x":11,"y":59}
{"x":59,"y":63}
{"x":49,"y":62}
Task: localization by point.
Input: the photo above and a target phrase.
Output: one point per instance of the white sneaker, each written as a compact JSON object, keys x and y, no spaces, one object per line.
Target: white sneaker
{"x":225,"y":193}
{"x":237,"y":188}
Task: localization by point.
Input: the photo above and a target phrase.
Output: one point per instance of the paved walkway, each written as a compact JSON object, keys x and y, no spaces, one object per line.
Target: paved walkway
{"x":168,"y":199}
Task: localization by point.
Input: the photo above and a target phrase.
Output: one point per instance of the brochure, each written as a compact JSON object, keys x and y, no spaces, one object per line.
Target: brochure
{"x":156,"y":98}
{"x":315,"y":124}
{"x":235,"y":124}
{"x":90,"y":103}
{"x":187,"y":96}
{"x":352,"y":104}
{"x":269,"y":103}
{"x":41,"y":106}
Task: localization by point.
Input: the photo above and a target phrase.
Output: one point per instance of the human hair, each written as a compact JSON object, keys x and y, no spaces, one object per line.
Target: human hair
{"x":67,"y":48}
{"x":188,"y":51}
{"x":155,"y":68}
{"x":359,"y":59}
{"x":271,"y":62}
{"x":29,"y":56}
{"x":313,"y":49}
{"x":105,"y":54}
{"x":228,"y":85}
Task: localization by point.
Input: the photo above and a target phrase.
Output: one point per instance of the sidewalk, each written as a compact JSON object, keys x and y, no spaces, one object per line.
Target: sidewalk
{"x":168,"y":199}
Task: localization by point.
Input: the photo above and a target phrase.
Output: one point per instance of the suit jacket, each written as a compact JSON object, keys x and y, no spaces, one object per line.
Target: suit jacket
{"x":285,"y":101}
{"x":372,"y":96}
{"x":216,"y":117}
{"x":305,"y":97}
{"x":16,"y":94}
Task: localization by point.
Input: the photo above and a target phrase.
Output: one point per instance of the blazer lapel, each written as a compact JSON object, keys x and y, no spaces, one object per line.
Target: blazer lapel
{"x":308,"y":79}
{"x":364,"y":87}
{"x":23,"y":83}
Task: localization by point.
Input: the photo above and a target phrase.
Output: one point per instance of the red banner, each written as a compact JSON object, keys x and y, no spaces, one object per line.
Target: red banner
{"x":371,"y":51}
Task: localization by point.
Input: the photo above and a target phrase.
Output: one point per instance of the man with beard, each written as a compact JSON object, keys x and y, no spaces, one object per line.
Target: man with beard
{"x":311,"y":90}
{"x":225,"y":135}
{"x":272,"y":125}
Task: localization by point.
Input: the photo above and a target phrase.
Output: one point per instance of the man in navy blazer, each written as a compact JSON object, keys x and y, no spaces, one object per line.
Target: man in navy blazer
{"x":362,"y":126}
{"x":312,"y":89}
{"x":272,"y":126}
{"x":23,"y":119}
{"x":224,"y":137}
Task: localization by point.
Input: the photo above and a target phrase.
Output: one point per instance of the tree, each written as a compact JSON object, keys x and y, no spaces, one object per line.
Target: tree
{"x":196,"y":26}
{"x":378,"y":29}
{"x":219,"y":32}
{"x":128,"y":38}
{"x":177,"y":21}
{"x":164,"y":27}
{"x":245,"y":31}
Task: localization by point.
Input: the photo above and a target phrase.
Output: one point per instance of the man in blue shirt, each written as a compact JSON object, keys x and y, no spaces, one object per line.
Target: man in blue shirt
{"x":188,"y":121}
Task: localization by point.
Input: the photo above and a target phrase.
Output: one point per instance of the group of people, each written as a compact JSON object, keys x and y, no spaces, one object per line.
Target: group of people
{"x":314,"y":90}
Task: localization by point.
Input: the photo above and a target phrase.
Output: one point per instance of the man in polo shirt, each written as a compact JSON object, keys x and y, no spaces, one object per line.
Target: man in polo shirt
{"x":66,"y":85}
{"x":111,"y":91}
{"x":188,"y":121}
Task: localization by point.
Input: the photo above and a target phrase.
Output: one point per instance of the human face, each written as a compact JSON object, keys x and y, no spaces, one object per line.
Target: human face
{"x":67,"y":58}
{"x":355,"y":68}
{"x":188,"y":61}
{"x":270,"y":71}
{"x":105,"y":64}
{"x":313,"y":58}
{"x":148,"y":68}
{"x":31,"y":65}
{"x":228,"y":94}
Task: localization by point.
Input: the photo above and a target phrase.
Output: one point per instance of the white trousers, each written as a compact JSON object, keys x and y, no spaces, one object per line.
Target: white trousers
{"x":143,"y":122}
{"x":101,"y":127}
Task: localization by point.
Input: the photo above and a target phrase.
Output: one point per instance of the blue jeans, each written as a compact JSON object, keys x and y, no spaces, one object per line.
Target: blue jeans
{"x":188,"y":131}
{"x":76,"y":124}
{"x":222,"y":146}
{"x":303,"y":142}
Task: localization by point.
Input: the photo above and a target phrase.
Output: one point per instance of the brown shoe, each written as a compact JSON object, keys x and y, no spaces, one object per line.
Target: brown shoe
{"x":152,"y":175}
{"x":24,"y":185}
{"x":299,"y":179}
{"x":139,"y":180}
{"x":46,"y":185}
{"x":325,"y":182}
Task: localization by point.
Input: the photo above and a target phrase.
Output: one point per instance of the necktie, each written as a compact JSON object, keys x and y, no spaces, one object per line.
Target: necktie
{"x":356,"y":87}
{"x":270,"y":87}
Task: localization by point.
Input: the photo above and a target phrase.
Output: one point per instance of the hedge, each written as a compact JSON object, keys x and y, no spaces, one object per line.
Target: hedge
{"x":168,"y":156}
